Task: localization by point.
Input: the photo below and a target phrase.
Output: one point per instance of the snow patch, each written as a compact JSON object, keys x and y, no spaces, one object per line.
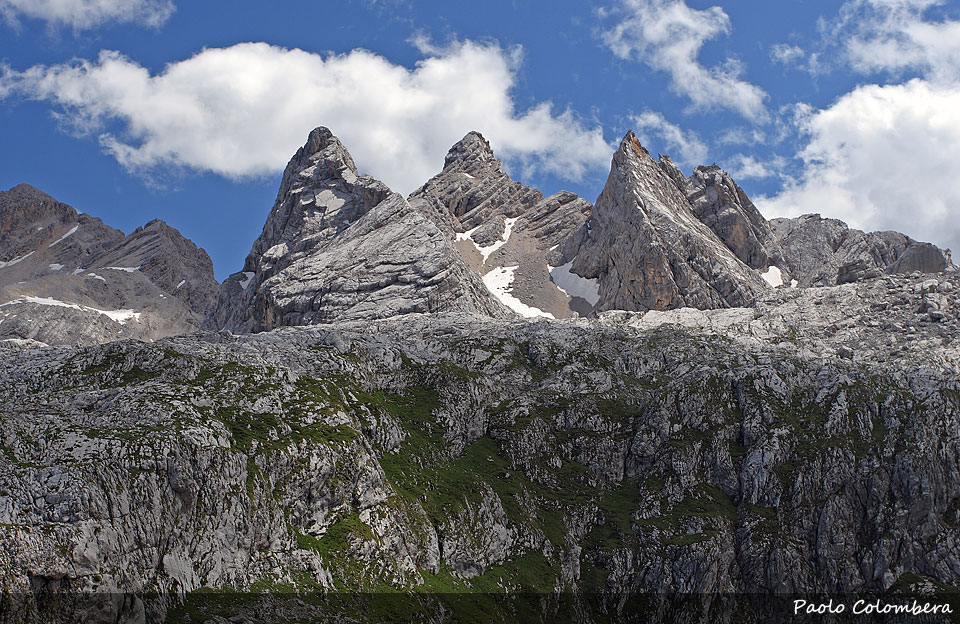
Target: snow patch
{"x":127,"y":269}
{"x":14,"y":261}
{"x":62,"y":238}
{"x":773,"y":277}
{"x":78,"y":270}
{"x":120,"y":316}
{"x":55,"y":267}
{"x":573,"y":285}
{"x":249,"y":275}
{"x":462,"y":236}
{"x":507,"y":231}
{"x":182,"y":282}
{"x":499,"y":281}
{"x":793,"y":283}
{"x":95,"y":276}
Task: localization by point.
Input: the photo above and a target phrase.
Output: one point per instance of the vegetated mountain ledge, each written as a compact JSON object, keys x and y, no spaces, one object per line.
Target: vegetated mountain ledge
{"x":372,"y":414}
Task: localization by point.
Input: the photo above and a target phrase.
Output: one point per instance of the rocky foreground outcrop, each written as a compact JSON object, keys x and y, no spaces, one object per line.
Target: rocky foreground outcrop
{"x":66,"y":278}
{"x":745,"y":450}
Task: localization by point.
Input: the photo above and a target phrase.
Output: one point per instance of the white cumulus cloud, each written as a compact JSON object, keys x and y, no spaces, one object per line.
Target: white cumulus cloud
{"x":86,"y":14}
{"x":243,"y":110}
{"x":895,"y":36}
{"x":882,"y":157}
{"x":683,"y":146}
{"x":745,"y":167}
{"x":667,"y":35}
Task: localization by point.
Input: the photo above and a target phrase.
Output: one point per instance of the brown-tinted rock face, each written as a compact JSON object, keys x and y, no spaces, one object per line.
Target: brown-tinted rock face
{"x":66,"y":278}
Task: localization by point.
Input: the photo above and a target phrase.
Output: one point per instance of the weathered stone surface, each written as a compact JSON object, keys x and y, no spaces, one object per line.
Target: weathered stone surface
{"x":340,"y":245}
{"x":824,"y":252}
{"x":508,"y":232}
{"x":66,"y":278}
{"x":723,"y":207}
{"x":648,"y":250}
{"x":449,"y":451}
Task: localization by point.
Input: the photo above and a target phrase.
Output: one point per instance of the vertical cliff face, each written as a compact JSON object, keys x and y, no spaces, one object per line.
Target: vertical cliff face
{"x":340,"y":245}
{"x":647,"y":249}
{"x":66,"y":278}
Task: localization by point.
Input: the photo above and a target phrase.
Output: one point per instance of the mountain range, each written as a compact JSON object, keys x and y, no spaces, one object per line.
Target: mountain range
{"x":339,"y":245}
{"x":476,"y":403}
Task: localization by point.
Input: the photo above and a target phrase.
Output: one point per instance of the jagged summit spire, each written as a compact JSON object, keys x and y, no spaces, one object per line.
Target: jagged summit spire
{"x":470,"y":154}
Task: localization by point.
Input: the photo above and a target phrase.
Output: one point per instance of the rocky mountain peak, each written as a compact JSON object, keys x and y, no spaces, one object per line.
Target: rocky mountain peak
{"x":24,"y":206}
{"x":473,"y":188}
{"x":340,"y":245}
{"x":646,"y":249}
{"x":724,"y":207}
{"x":472,"y":153}
{"x":67,"y":278}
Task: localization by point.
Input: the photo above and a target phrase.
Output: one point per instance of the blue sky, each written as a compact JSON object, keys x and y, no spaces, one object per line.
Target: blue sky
{"x":135,"y":109}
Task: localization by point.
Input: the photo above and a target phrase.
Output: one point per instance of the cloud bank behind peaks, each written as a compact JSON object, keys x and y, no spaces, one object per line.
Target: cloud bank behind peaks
{"x":667,"y":35}
{"x":243,"y":110}
{"x":882,"y":157}
{"x":86,"y":14}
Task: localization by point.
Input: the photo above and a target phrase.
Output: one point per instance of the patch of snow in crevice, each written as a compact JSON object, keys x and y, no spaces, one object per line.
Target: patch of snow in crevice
{"x":95,"y":276}
{"x":793,"y":283}
{"x":773,"y":277}
{"x":120,"y":316}
{"x":574,"y":285}
{"x":468,"y":175}
{"x":78,"y":270}
{"x":507,"y":231}
{"x":62,"y":238}
{"x":468,"y":236}
{"x":55,"y":267}
{"x":245,"y":283}
{"x":127,"y":269}
{"x":14,"y":261}
{"x":462,"y":236}
{"x":182,"y":282}
{"x":499,"y":282}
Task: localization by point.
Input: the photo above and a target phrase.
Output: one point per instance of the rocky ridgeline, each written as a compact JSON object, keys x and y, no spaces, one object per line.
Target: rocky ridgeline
{"x":340,"y":245}
{"x":449,"y":452}
{"x":66,"y":278}
{"x":507,"y":232}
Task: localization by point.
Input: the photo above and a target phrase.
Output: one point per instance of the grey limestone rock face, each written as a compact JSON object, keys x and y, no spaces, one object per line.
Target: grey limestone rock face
{"x":340,"y":245}
{"x":66,"y":278}
{"x":824,"y":252}
{"x":647,"y":248}
{"x":721,"y":205}
{"x":500,"y":225}
{"x":729,"y":450}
